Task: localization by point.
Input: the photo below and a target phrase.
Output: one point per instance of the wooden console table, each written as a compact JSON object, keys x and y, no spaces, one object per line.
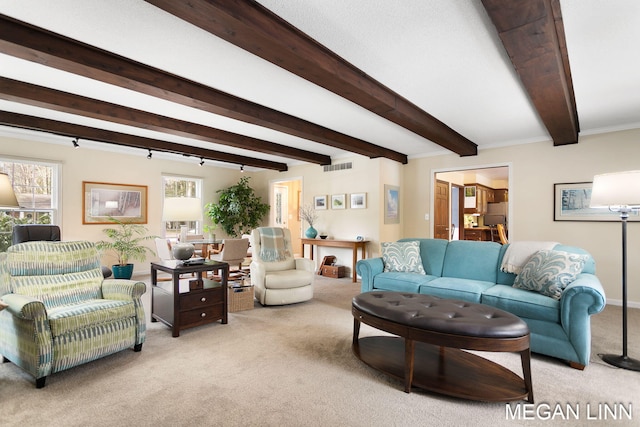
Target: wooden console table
{"x":353,"y":244}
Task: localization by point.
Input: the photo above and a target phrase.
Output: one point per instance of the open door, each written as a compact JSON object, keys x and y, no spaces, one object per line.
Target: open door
{"x":441,"y":221}
{"x":284,"y":206}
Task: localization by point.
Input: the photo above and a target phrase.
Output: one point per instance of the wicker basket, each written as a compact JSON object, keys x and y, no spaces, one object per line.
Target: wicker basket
{"x":240,"y":298}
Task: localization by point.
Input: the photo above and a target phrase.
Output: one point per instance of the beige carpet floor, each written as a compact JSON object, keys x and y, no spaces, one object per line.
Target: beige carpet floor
{"x":293,"y":366}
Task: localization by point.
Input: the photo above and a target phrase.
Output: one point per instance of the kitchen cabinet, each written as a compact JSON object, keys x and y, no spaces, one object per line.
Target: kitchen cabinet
{"x":501,"y":195}
{"x":476,"y":198}
{"x":478,"y":233}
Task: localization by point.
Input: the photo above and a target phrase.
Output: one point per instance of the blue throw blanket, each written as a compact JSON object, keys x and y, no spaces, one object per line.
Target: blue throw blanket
{"x":273,"y":247}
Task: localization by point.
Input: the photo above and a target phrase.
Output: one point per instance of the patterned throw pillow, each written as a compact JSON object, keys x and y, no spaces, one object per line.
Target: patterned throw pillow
{"x":549,"y":272}
{"x":402,"y":257}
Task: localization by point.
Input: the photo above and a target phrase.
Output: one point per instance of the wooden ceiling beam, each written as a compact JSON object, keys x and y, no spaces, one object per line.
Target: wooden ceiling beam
{"x":44,"y":47}
{"x":126,"y":140}
{"x":255,"y":29}
{"x":532,"y":33}
{"x":26,"y":93}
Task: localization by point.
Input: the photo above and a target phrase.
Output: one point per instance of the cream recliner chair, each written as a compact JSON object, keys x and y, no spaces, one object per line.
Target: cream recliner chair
{"x":279,"y":278}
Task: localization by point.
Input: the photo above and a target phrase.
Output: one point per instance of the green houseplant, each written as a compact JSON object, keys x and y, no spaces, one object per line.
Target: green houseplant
{"x":238,"y":210}
{"x":126,"y":242}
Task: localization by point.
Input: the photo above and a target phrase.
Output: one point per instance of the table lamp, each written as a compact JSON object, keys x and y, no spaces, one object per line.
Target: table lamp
{"x":8,"y":198}
{"x":182,"y":209}
{"x":620,"y":192}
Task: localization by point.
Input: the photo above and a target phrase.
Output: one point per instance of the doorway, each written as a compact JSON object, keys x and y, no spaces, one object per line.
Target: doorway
{"x":454,"y":216}
{"x":284,"y":205}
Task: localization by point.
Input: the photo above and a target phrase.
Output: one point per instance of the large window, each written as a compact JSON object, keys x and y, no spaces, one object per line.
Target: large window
{"x":180,"y":186}
{"x":36,"y":185}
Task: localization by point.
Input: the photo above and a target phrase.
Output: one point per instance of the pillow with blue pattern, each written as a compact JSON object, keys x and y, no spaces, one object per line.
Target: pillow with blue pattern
{"x":549,"y":272}
{"x":402,"y":257}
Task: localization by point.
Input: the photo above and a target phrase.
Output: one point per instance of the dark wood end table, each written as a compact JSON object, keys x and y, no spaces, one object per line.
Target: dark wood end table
{"x":196,"y":303}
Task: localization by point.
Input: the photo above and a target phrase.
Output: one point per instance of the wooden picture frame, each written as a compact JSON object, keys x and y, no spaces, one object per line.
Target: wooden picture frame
{"x":571,"y":203}
{"x":124,"y":202}
{"x":320,"y":202}
{"x":358,"y":201}
{"x":338,"y":201}
{"x":391,"y":204}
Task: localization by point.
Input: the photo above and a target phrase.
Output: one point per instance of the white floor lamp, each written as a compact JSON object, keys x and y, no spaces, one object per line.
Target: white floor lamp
{"x":620,"y":192}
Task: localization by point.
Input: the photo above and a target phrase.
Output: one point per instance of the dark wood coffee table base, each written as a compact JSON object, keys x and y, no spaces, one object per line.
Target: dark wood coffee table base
{"x":443,"y":370}
{"x":435,"y":360}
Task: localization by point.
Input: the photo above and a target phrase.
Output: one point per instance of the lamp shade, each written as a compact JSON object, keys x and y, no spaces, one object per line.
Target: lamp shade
{"x":182,"y":209}
{"x":616,"y":189}
{"x":7,"y":195}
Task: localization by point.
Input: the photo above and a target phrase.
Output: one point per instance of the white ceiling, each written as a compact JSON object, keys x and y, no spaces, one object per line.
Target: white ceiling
{"x":442,"y":55}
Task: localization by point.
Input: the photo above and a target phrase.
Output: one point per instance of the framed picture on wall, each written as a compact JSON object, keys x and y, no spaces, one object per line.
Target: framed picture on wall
{"x":571,"y":203}
{"x":338,"y":201}
{"x":320,"y":202}
{"x":359,"y":201}
{"x":391,"y":204}
{"x":101,"y":200}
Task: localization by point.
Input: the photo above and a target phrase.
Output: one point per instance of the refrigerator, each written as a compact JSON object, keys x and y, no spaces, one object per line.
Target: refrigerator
{"x":497,"y":213}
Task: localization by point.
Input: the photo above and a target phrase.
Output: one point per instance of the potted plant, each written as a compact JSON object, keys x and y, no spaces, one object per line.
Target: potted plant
{"x":238,"y":210}
{"x":210,"y":231}
{"x":126,"y":242}
{"x":308,"y":213}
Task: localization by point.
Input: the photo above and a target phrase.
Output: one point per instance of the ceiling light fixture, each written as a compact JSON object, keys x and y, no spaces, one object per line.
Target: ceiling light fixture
{"x":242,"y":168}
{"x":201,"y":161}
{"x":149,"y":155}
{"x":75,"y":143}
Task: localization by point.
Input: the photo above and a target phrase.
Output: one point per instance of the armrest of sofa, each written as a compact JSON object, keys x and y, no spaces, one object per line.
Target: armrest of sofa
{"x":122,"y":289}
{"x":258,"y":272}
{"x":305,"y":264}
{"x":582,"y":298}
{"x":368,"y":269}
{"x":25,"y":307}
{"x":585,"y":294}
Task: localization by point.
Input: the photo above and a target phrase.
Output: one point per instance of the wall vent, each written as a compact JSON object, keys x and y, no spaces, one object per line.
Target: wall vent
{"x":338,"y":167}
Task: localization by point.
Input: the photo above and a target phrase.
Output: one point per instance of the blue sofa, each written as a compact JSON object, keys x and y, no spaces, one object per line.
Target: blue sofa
{"x":470,"y":271}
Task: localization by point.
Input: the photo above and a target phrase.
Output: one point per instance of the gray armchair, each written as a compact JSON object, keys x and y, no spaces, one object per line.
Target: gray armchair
{"x":34,"y":232}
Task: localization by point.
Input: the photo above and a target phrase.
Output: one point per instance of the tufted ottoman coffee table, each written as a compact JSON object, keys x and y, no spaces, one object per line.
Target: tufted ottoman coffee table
{"x":434,"y":331}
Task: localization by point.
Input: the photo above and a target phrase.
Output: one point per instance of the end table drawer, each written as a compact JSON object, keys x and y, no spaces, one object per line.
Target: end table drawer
{"x":200,"y":299}
{"x":201,"y":316}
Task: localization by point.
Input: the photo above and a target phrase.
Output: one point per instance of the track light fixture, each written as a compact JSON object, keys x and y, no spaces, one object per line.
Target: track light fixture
{"x":201,"y":161}
{"x":149,"y":155}
{"x":75,"y":143}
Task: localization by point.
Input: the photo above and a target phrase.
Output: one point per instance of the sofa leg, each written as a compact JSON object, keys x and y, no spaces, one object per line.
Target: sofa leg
{"x":137,"y":347}
{"x":40,"y":382}
{"x":576,"y":365}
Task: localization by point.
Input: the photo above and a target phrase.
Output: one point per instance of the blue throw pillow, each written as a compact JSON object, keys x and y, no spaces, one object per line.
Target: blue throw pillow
{"x":549,"y":272}
{"x":402,"y":257}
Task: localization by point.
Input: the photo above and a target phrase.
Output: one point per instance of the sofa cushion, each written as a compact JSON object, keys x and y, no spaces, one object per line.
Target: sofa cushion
{"x":522,"y":303}
{"x":549,"y":272}
{"x":402,"y":257}
{"x":456,"y":288}
{"x":432,"y":252}
{"x":467,"y":259}
{"x":288,"y":279}
{"x":401,"y":282}
{"x":74,"y":317}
